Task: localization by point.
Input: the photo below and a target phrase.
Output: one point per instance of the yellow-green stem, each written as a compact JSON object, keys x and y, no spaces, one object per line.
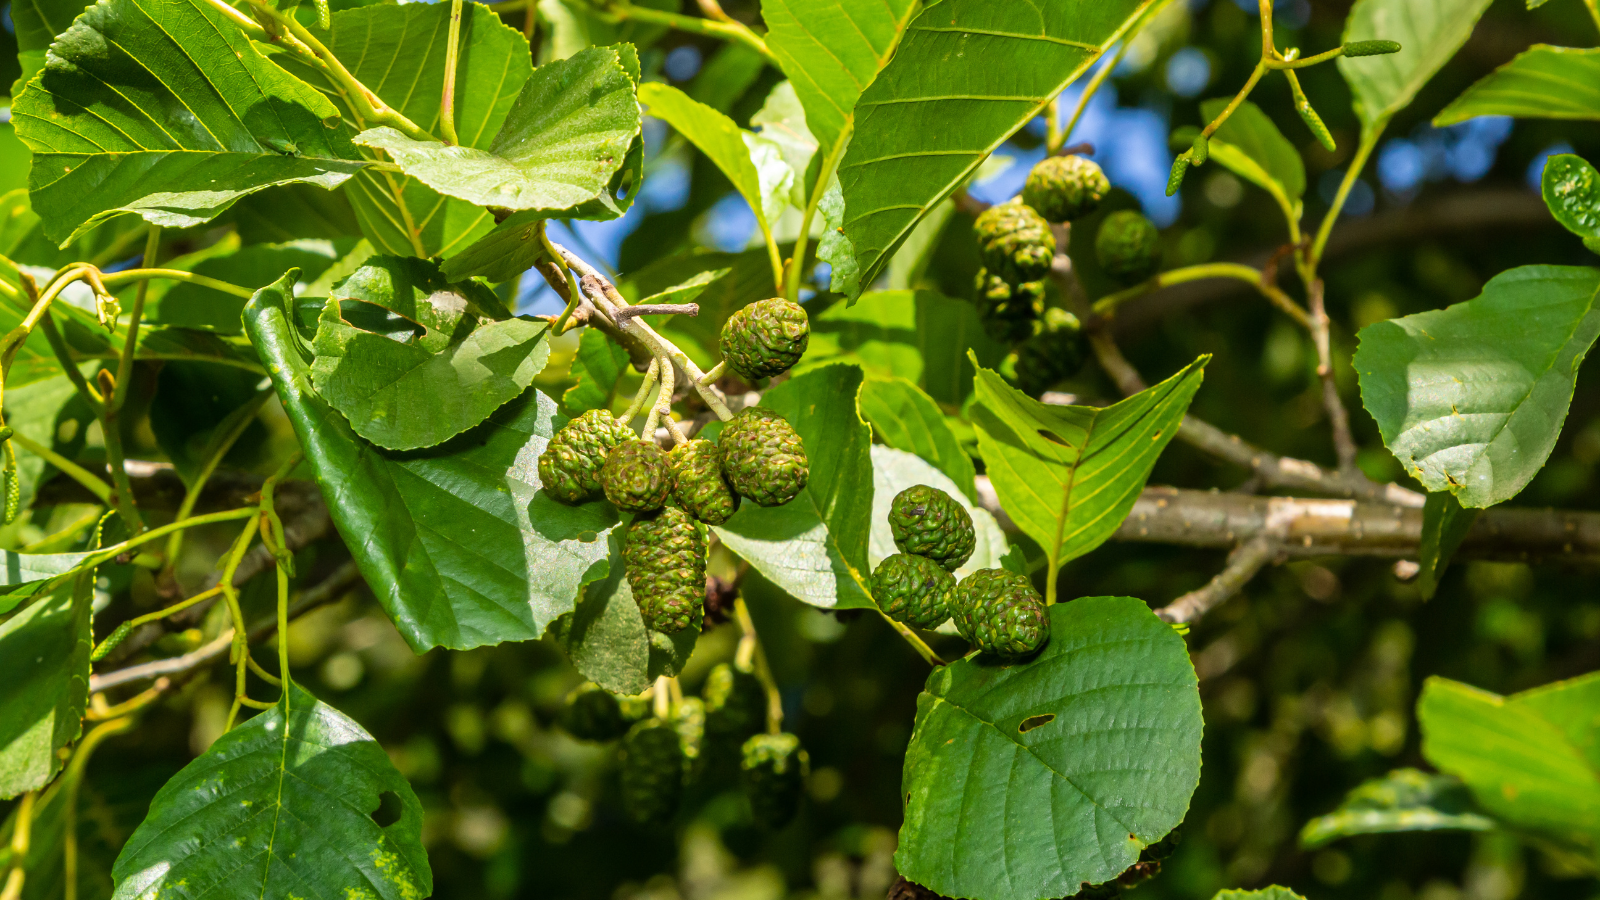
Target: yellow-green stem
{"x":447,"y":101}
{"x":94,"y":485}
{"x":71,"y":781}
{"x":1108,"y":304}
{"x":1057,"y":141}
{"x":1369,"y":141}
{"x":830,"y":165}
{"x":754,"y":655}
{"x":226,"y":435}
{"x":915,"y":640}
{"x":145,"y":274}
{"x":710,"y":27}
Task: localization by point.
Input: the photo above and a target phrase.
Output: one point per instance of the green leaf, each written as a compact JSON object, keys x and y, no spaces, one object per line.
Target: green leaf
{"x":1029,"y":781}
{"x":24,"y":574}
{"x":513,"y":247}
{"x":1429,"y":33}
{"x":44,"y":664}
{"x":39,"y":21}
{"x":48,"y":410}
{"x":564,"y":139}
{"x":1571,"y":189}
{"x":966,"y":76}
{"x":831,"y":50}
{"x":417,"y":290}
{"x":922,"y":336}
{"x":298,"y":212}
{"x":754,"y":164}
{"x":904,"y":417}
{"x":188,"y":305}
{"x":403,"y":397}
{"x":182,"y":120}
{"x":606,"y":639}
{"x":911,"y":261}
{"x":1444,"y":525}
{"x":1471,"y":399}
{"x":1403,"y":800}
{"x":1253,"y":147}
{"x":687,"y":291}
{"x":400,"y":214}
{"x":1069,"y":475}
{"x":783,"y":123}
{"x":458,"y":543}
{"x":895,"y":470}
{"x":1543,"y":82}
{"x":281,"y":806}
{"x":1532,"y":760}
{"x":815,"y":546}
{"x":597,"y":367}
{"x":1274,"y":892}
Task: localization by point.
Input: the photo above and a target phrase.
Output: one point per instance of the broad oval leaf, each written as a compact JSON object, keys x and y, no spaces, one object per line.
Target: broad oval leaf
{"x":281,"y":806}
{"x":458,"y":543}
{"x":166,"y":109}
{"x":1470,"y":399}
{"x":1543,"y":82}
{"x":1069,"y":475}
{"x":568,"y":133}
{"x":44,"y":664}
{"x":815,"y":546}
{"x":1429,"y":33}
{"x":904,"y":417}
{"x":1253,"y":147}
{"x":1403,"y":800}
{"x":966,"y":76}
{"x":398,"y":213}
{"x":1532,"y":759}
{"x":831,"y":50}
{"x":1571,"y":189}
{"x":895,"y":470}
{"x":1028,"y":781}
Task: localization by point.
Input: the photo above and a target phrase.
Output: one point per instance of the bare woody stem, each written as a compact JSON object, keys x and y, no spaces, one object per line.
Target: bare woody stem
{"x":1251,"y":557}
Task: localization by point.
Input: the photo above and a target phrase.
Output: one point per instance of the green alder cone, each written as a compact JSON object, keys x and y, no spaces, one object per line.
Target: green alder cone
{"x":593,"y":714}
{"x":665,"y":554}
{"x":569,"y":467}
{"x":637,"y":476}
{"x":1016,"y":243}
{"x":689,"y":719}
{"x":773,"y":772}
{"x":926,"y":521}
{"x":1000,"y":613}
{"x":698,"y":485}
{"x":1126,"y":246}
{"x":1054,"y":353}
{"x":914,"y":590}
{"x":652,"y":771}
{"x":765,"y":338}
{"x":762,"y":457}
{"x":1063,"y":188}
{"x":1008,"y":310}
{"x":736,"y":702}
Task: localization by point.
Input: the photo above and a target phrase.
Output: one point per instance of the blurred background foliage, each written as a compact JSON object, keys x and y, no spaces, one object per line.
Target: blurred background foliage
{"x":1308,"y":678}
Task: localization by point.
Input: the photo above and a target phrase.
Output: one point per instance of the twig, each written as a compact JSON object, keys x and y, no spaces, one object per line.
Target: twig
{"x":1249,"y":558}
{"x":657,"y":309}
{"x":1344,"y":444}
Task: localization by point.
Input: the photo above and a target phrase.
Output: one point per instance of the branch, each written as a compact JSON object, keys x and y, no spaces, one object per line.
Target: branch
{"x":1243,"y":564}
{"x":658,"y":309}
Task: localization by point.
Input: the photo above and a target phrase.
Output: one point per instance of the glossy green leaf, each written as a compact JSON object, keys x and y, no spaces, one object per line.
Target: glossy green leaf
{"x":44,"y":664}
{"x":1429,"y":33}
{"x":1029,"y":781}
{"x":1403,"y":800}
{"x":1069,"y":475}
{"x":815,"y":546}
{"x":281,"y":806}
{"x":458,"y":543}
{"x":1571,"y":189}
{"x":182,"y":119}
{"x":1543,"y":82}
{"x":754,"y":164}
{"x":831,"y":50}
{"x":566,"y":136}
{"x":1444,"y":525}
{"x":1253,"y":147}
{"x":904,"y":417}
{"x":1471,"y":398}
{"x":1532,"y":760}
{"x":398,"y":213}
{"x":606,"y":639}
{"x":597,"y":367}
{"x":418,"y":291}
{"x":188,"y":305}
{"x":966,"y":76}
{"x":922,"y":336}
{"x":895,"y":470}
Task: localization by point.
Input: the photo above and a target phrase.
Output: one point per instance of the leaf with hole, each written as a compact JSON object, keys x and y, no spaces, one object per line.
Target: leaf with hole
{"x":966,"y":76}
{"x":459,"y":543}
{"x":1027,"y":781}
{"x":1543,"y":82}
{"x":298,"y":800}
{"x":185,"y":117}
{"x":1470,"y":399}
